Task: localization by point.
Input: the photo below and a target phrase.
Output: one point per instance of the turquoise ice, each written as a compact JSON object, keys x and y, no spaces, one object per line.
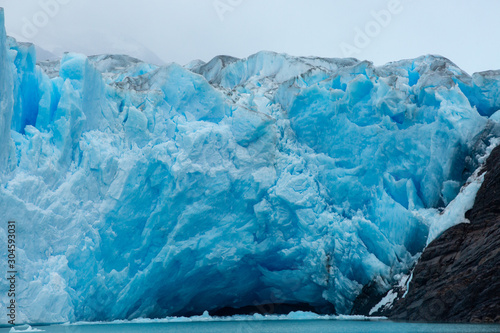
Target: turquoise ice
{"x":145,"y":191}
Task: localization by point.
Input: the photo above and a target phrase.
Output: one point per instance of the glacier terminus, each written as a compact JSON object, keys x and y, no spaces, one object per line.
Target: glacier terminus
{"x":147,"y":191}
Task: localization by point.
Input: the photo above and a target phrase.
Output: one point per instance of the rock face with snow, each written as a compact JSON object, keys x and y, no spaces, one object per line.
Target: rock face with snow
{"x":146,"y":191}
{"x":457,"y":278}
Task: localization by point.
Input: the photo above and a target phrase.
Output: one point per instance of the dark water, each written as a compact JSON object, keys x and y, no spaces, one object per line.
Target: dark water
{"x":278,"y":326}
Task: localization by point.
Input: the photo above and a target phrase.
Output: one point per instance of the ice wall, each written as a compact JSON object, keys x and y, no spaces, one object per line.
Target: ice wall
{"x":6,"y":95}
{"x":145,"y":191}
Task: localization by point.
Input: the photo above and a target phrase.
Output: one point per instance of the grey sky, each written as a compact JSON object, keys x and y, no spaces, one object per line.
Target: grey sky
{"x":467,"y":32}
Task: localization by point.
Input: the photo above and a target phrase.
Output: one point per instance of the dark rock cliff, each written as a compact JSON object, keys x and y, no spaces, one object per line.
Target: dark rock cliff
{"x":457,"y":278}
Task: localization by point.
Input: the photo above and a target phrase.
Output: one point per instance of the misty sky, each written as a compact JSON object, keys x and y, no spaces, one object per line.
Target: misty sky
{"x":467,"y":32}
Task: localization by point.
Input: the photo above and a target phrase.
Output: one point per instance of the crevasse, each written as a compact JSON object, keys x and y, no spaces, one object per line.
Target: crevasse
{"x":145,"y":191}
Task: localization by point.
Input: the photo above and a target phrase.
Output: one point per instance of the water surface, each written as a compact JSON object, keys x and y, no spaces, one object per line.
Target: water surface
{"x":271,"y":326}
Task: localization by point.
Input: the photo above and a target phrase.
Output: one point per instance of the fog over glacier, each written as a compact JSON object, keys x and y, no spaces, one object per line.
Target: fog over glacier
{"x":147,"y":191}
{"x":180,"y":31}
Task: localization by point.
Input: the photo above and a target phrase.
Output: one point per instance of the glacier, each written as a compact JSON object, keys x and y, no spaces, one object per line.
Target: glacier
{"x":144,"y":191}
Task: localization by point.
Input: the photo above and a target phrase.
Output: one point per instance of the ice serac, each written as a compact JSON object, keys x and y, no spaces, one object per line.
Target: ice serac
{"x":6,"y":95}
{"x":146,"y":191}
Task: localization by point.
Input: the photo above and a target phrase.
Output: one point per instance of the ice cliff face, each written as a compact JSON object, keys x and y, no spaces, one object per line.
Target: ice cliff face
{"x":150,"y":191}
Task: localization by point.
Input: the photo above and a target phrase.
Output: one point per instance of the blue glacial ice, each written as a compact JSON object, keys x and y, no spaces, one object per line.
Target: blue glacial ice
{"x":146,"y":191}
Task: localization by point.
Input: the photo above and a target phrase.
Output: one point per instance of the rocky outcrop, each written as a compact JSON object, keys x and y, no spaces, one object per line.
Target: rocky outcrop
{"x":457,"y":278}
